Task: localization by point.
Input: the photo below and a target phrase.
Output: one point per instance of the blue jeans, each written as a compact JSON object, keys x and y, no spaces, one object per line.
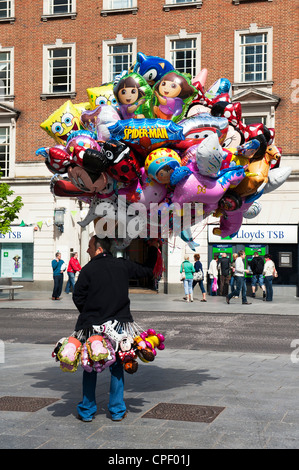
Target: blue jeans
{"x":232,"y":283}
{"x":240,"y":286}
{"x":188,"y":286}
{"x":58,"y":283}
{"x":257,"y":279}
{"x":87,"y":408}
{"x":269,"y":288}
{"x":70,"y":283}
{"x":202,"y":288}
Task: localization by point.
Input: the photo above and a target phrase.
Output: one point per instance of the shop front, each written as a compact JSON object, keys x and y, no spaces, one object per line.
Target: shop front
{"x":280,"y":241}
{"x":16,"y":253}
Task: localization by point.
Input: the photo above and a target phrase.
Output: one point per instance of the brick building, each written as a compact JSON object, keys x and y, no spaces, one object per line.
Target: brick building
{"x":54,"y":50}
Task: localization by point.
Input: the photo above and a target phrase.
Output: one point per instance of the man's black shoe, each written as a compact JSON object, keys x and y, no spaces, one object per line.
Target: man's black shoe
{"x":253,"y":295}
{"x":246,"y":303}
{"x":227,"y":299}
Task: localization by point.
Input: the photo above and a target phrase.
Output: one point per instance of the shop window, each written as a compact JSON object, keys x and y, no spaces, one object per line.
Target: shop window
{"x":16,"y":261}
{"x":59,"y":70}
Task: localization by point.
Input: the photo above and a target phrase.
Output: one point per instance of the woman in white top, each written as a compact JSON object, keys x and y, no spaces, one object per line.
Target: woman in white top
{"x":213,"y":272}
{"x":269,"y":273}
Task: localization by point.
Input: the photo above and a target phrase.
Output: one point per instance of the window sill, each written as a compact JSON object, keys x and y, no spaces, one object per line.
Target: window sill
{"x":132,"y":10}
{"x":8,"y":20}
{"x":5,"y":98}
{"x":261,"y":84}
{"x":59,"y":16}
{"x":171,"y":6}
{"x":49,"y":96}
{"x":237,"y":2}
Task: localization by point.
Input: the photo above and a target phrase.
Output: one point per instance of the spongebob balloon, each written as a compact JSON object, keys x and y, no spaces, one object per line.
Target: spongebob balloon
{"x":63,"y":122}
{"x":101,"y":95}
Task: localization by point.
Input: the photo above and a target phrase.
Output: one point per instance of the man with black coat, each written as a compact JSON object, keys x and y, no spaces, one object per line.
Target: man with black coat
{"x":257,"y":267}
{"x":225,"y":266}
{"x":101,"y":294}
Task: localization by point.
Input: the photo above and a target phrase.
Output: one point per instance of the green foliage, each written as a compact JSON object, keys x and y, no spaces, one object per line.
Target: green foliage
{"x":8,"y":208}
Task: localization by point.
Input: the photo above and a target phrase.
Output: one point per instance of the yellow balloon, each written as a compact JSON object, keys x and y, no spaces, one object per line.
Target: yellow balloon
{"x":102,"y":95}
{"x":63,"y":122}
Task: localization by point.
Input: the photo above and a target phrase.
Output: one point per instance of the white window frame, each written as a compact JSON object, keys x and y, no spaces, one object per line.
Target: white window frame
{"x":46,"y":69}
{"x":111,"y":6}
{"x":253,"y":30}
{"x":10,"y":123}
{"x":48,"y":10}
{"x":171,"y":4}
{"x":10,"y":95}
{"x":119,"y":40}
{"x":182,"y":36}
{"x":10,"y":17}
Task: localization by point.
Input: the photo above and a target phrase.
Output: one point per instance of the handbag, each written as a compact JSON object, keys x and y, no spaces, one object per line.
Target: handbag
{"x":198,"y":276}
{"x":182,"y":277}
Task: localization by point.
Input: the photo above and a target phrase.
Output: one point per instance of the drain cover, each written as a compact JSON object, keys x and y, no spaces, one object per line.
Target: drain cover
{"x":194,"y":413}
{"x":24,"y":403}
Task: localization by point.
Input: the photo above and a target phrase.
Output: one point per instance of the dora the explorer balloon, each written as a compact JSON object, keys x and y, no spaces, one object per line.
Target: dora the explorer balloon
{"x":133,"y":95}
{"x":173,"y":94}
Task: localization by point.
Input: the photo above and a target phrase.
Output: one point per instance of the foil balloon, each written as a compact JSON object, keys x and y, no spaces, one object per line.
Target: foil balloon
{"x":85,"y":181}
{"x":164,"y":166}
{"x":172,"y":96}
{"x":222,"y":85}
{"x":199,"y":188}
{"x":83,"y":139}
{"x":102,"y":95}
{"x":146,"y":191}
{"x":201,"y":126}
{"x":209,"y":156}
{"x":62,"y":122}
{"x":145,"y":135}
{"x":254,"y":210}
{"x":151,"y":68}
{"x":134,"y":96}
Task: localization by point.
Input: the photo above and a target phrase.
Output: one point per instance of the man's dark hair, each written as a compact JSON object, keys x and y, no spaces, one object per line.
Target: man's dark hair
{"x":104,"y":243}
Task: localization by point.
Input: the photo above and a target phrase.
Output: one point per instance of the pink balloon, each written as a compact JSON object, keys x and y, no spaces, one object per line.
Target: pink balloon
{"x":145,"y":192}
{"x":199,"y":188}
{"x":83,"y":141}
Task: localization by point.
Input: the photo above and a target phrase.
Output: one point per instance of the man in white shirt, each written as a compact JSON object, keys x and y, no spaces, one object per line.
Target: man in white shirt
{"x":240,"y":279}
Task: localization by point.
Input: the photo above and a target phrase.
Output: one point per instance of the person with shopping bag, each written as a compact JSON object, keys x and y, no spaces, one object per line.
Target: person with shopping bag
{"x":213,"y":273}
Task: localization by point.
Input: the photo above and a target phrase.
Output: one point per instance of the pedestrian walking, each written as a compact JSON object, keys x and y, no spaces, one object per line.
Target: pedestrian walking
{"x":58,"y":267}
{"x":73,"y":268}
{"x":102,"y":294}
{"x":213,"y":273}
{"x":232,"y":281}
{"x":257,"y":268}
{"x":269,"y":273}
{"x":187,"y":270}
{"x":224,"y":268}
{"x":198,"y":276}
{"x":240,"y":279}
